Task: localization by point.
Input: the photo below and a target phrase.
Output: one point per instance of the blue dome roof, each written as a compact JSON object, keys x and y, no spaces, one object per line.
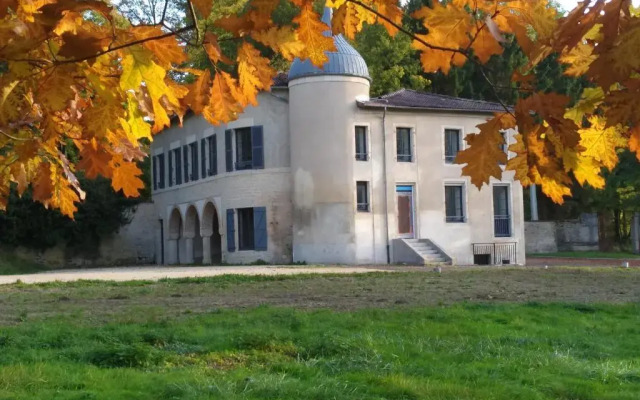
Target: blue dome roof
{"x":344,"y":61}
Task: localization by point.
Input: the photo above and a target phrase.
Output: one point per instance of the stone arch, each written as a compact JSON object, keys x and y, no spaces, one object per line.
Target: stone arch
{"x":175,"y":224}
{"x":210,"y":231}
{"x":192,"y":238}
{"x":175,"y":232}
{"x":191,"y":222}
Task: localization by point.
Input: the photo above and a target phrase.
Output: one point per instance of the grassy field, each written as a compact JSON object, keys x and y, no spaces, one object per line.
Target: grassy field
{"x":480,"y":334}
{"x":588,"y":254}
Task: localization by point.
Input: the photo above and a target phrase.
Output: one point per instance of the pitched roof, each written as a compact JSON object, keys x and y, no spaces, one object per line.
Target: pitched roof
{"x":281,"y":80}
{"x":410,"y":99}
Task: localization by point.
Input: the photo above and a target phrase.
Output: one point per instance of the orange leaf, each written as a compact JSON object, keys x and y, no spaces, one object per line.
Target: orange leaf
{"x":166,"y":50}
{"x":484,"y":155}
{"x":254,"y":72}
{"x":125,"y":178}
{"x":203,"y":6}
{"x":94,"y":161}
{"x":634,"y":141}
{"x":310,"y":32}
{"x":223,"y":102}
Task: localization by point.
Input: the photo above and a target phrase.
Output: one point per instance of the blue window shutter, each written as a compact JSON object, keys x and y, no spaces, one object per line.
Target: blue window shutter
{"x":170,"y":170}
{"x":231,"y":231}
{"x":185,"y":162}
{"x":203,"y":155}
{"x":257,"y":144}
{"x":214,"y":155}
{"x":161,"y":165}
{"x":178,"y":161}
{"x":228,"y":149}
{"x":260,"y":228}
{"x":194,"y":161}
{"x":154,"y":169}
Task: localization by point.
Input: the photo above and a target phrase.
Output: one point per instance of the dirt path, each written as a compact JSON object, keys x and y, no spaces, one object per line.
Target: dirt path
{"x":156,"y":273}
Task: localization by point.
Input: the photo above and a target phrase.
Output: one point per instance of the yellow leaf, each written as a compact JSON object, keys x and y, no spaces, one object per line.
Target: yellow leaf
{"x":601,"y":143}
{"x":167,"y":50}
{"x":484,"y":156}
{"x":254,"y":72}
{"x":138,"y":67}
{"x":579,"y":59}
{"x":450,"y":21}
{"x":101,"y":117}
{"x":310,"y":32}
{"x":485,"y":45}
{"x":222,"y":107}
{"x":391,"y":10}
{"x":282,"y":40}
{"x":55,"y":90}
{"x":126,"y":178}
{"x":198,"y":95}
{"x":590,"y":99}
{"x":585,"y":169}
{"x":345,"y":20}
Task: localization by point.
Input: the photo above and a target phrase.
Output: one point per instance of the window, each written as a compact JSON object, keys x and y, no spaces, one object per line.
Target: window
{"x":213,"y":155}
{"x":193,"y":150}
{"x":185,"y":163}
{"x":245,"y":228}
{"x":154,"y":172}
{"x":501,"y":212}
{"x":203,"y":158}
{"x":160,"y":162}
{"x":452,"y":144}
{"x":403,"y":142}
{"x":361,"y":143}
{"x":454,"y":203}
{"x":175,"y":167}
{"x":244,"y":151}
{"x":252,"y":228}
{"x":504,"y":146}
{"x":362,"y":195}
{"x":249,"y":149}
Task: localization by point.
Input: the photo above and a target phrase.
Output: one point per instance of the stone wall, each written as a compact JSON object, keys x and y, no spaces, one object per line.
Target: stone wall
{"x":133,"y":244}
{"x":551,"y":236}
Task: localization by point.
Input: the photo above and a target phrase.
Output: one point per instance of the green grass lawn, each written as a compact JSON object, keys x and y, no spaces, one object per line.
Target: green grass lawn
{"x":381,"y":336}
{"x":588,"y":254}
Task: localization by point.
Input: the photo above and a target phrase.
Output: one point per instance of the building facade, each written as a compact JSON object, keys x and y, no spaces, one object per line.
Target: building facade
{"x":319,"y":172}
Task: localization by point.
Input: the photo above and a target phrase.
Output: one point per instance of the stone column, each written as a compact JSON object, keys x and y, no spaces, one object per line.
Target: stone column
{"x":206,"y":250}
{"x":188,"y":257}
{"x":173,"y":251}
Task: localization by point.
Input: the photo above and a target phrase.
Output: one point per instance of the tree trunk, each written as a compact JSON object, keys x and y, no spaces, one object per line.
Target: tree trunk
{"x":605,"y":225}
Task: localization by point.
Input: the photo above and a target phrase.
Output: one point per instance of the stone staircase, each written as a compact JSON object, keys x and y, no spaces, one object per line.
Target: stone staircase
{"x":428,"y":252}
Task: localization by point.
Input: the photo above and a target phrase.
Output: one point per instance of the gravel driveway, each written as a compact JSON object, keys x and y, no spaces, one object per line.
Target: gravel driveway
{"x":156,"y":273}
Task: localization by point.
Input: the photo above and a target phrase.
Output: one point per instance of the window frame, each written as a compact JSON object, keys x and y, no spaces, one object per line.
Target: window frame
{"x":366,"y":205}
{"x":244,"y":164}
{"x":212,"y":155}
{"x":407,"y":158}
{"x":240,"y":214}
{"x":509,"y":209}
{"x":363,"y":157}
{"x":461,"y":143}
{"x":463,"y":203}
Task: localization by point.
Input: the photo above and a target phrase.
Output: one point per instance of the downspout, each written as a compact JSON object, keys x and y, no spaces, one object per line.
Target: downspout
{"x":386,"y":189}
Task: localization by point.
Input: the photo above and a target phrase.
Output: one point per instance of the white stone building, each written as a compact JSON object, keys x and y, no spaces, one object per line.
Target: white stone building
{"x":320,"y":173}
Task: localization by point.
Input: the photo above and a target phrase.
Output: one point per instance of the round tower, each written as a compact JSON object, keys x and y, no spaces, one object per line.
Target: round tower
{"x":322,"y":116}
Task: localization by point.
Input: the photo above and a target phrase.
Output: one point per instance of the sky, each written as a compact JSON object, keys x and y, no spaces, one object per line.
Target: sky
{"x":570,"y":4}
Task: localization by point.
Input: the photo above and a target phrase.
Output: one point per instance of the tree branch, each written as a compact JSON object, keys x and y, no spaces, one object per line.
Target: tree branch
{"x":135,"y":42}
{"x":407,"y":32}
{"x":192,"y":11}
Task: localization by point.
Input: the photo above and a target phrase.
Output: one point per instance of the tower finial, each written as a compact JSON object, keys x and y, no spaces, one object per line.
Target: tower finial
{"x":326,"y":16}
